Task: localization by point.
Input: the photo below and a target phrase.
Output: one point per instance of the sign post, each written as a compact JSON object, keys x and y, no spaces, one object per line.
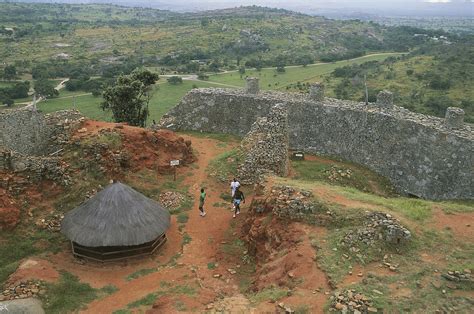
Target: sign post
{"x":174,"y":164}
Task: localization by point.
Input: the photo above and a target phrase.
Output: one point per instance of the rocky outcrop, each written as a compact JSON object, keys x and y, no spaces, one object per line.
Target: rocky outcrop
{"x":424,"y":156}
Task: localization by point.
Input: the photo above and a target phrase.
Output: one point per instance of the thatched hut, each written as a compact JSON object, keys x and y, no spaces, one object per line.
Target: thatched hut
{"x":118,"y":222}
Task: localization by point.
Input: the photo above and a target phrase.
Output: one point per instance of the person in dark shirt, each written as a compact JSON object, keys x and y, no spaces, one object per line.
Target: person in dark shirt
{"x":202,"y":197}
{"x":237,"y":199}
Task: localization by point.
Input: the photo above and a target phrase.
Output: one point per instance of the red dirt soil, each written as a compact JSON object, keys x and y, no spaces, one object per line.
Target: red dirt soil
{"x":34,"y":268}
{"x":460,"y":224}
{"x":9,"y":212}
{"x":146,"y":148}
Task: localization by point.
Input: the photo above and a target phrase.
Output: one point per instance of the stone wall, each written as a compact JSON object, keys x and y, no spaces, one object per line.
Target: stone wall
{"x":33,"y":133}
{"x":30,"y":140}
{"x":266,"y":147}
{"x":421,"y":155}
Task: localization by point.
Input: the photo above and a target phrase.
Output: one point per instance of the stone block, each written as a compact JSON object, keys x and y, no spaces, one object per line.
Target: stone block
{"x":316,"y":91}
{"x":385,"y":99}
{"x":454,"y":118}
{"x":252,"y":85}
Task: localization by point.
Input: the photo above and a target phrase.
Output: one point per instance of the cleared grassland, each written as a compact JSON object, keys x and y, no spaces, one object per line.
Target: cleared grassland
{"x":270,"y":79}
{"x":165,"y":96}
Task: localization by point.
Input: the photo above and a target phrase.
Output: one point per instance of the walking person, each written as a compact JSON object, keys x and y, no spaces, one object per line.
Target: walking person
{"x":202,"y":198}
{"x":234,"y":185}
{"x":237,"y":199}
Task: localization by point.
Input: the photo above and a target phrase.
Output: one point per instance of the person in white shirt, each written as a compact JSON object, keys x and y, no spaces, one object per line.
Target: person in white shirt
{"x":234,"y":185}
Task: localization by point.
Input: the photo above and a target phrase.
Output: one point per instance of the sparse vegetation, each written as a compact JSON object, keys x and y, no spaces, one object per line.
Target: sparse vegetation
{"x":271,"y":294}
{"x":141,"y":272}
{"x":68,"y":295}
{"x":224,"y":167}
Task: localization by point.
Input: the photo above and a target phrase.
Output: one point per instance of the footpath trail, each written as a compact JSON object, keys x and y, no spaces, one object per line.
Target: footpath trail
{"x":191,"y":268}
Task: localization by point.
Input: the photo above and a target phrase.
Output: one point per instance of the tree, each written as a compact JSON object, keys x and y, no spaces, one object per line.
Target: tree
{"x":128,"y":99}
{"x":203,"y":76}
{"x":8,"y":102}
{"x":45,"y":89}
{"x":280,"y":69}
{"x":175,"y":80}
{"x":9,"y":73}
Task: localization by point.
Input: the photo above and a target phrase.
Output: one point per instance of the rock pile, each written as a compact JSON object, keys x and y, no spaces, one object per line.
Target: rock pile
{"x":22,"y":290}
{"x":266,"y":147}
{"x":293,"y":204}
{"x":52,"y":223}
{"x":171,"y":199}
{"x":350,"y":301}
{"x":377,"y":227}
{"x":337,"y":174}
{"x":458,"y":276}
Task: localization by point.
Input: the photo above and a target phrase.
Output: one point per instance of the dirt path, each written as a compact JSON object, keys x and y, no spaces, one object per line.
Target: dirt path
{"x":191,"y":268}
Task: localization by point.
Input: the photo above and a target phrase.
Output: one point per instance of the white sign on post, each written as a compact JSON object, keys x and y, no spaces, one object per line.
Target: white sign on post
{"x":174,"y":163}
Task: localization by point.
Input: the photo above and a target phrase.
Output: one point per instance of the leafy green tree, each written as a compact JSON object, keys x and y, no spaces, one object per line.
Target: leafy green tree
{"x":45,"y":89}
{"x":8,"y":102}
{"x":175,"y":80}
{"x":128,"y":99}
{"x":9,"y":73}
{"x":203,"y":76}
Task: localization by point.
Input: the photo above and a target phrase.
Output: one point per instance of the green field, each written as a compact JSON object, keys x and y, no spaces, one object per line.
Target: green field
{"x":270,"y":79}
{"x":165,"y":96}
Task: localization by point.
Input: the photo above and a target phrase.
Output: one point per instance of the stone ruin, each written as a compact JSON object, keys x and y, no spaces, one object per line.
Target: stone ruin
{"x":266,"y":147}
{"x":252,"y":86}
{"x":421,"y":155}
{"x":378,"y":227}
{"x":316,"y":91}
{"x":385,"y":99}
{"x":30,"y":142}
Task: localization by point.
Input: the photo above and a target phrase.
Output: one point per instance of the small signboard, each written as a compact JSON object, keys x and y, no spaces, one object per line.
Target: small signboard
{"x":297,"y":156}
{"x":174,"y":163}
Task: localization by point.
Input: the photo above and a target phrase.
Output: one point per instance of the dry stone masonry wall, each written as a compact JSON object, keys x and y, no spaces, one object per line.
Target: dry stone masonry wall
{"x":29,"y":141}
{"x":424,"y":156}
{"x":266,"y":147}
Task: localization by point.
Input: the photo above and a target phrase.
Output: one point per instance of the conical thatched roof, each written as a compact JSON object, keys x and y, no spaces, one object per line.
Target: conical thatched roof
{"x":116,"y":216}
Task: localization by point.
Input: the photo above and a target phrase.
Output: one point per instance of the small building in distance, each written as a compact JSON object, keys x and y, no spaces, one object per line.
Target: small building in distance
{"x":116,"y":223}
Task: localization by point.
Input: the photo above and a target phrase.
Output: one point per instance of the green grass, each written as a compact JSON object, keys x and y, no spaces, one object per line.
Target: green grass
{"x":335,"y":172}
{"x":182,"y":217}
{"x":415,"y":209}
{"x":141,"y":273}
{"x":224,"y":166}
{"x":211,"y":265}
{"x":148,"y":300}
{"x":88,"y":105}
{"x":109,"y":289}
{"x":186,"y":239}
{"x":68,"y":295}
{"x":272,"y":294}
{"x":270,"y":79}
{"x":165,"y":96}
{"x":15,"y":246}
